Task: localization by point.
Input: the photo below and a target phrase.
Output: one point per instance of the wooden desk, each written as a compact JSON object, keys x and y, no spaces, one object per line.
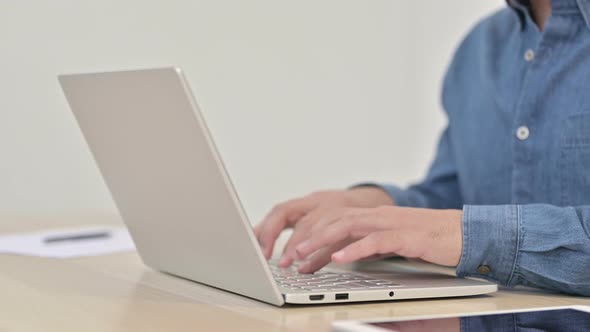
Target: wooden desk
{"x":118,"y":293}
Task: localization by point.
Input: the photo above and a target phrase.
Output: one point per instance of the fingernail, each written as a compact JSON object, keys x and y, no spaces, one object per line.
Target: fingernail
{"x":303,"y":267}
{"x":339,"y":255}
{"x":284,"y":261}
{"x":298,"y":255}
{"x":301,"y":248}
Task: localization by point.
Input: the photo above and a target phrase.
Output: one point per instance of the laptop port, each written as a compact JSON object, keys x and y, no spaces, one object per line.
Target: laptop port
{"x":342,"y":296}
{"x":316,"y":297}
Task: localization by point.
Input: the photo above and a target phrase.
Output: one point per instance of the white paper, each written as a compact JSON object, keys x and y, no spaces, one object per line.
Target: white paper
{"x":34,"y":244}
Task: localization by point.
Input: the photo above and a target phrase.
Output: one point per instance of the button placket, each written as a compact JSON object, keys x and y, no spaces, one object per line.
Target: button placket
{"x":529,"y":55}
{"x":522,"y":133}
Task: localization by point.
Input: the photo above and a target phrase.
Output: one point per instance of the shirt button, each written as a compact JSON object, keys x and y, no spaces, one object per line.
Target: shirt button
{"x":529,"y":55}
{"x":522,"y":133}
{"x":484,"y":269}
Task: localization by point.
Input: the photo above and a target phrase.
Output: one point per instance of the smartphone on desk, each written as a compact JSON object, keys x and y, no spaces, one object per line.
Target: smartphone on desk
{"x":571,"y":318}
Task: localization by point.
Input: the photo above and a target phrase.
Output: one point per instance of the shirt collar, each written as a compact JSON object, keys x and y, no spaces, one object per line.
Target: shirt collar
{"x":520,"y":10}
{"x":520,"y":7}
{"x":585,"y":9}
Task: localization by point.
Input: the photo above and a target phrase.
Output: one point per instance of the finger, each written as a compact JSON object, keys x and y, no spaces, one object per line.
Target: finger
{"x":375,"y":257}
{"x":301,"y":232}
{"x":377,"y":243}
{"x":352,"y":225}
{"x":320,"y":258}
{"x":282,"y":216}
{"x":299,"y":235}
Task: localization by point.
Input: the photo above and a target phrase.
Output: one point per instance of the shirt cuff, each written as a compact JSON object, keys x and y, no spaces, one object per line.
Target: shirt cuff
{"x":399,"y":196}
{"x":490,"y":242}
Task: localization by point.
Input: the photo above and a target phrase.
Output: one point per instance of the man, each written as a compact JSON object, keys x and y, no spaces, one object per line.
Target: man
{"x":507,"y":197}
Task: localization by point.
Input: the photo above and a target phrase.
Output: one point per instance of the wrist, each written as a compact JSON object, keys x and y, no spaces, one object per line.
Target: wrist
{"x":441,"y":236}
{"x":456,"y":241}
{"x":372,"y":196}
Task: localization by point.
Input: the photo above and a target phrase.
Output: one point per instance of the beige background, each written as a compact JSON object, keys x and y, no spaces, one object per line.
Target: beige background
{"x":299,"y":94}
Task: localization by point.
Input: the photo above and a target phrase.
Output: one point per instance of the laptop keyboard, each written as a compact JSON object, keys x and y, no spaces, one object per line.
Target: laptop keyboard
{"x":290,"y":279}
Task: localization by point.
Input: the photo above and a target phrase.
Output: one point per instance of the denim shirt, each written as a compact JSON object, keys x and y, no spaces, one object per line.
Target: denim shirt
{"x":552,"y":320}
{"x":515,"y":155}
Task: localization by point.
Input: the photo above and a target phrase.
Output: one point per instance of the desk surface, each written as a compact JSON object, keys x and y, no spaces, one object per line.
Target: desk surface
{"x":118,"y":293}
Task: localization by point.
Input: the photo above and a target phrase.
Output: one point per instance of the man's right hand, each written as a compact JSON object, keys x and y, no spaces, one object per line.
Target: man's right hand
{"x":302,"y":213}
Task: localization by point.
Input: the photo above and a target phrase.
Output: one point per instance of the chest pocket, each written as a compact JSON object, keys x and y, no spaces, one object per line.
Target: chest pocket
{"x":575,"y":155}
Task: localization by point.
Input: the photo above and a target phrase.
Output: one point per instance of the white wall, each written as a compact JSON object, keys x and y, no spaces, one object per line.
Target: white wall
{"x":300,"y":95}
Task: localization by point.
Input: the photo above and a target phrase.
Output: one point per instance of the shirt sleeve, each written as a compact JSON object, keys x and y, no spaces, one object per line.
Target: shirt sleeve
{"x":538,"y":245}
{"x":439,"y":189}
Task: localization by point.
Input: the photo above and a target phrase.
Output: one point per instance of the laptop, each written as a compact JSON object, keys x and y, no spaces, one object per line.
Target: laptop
{"x":160,"y":163}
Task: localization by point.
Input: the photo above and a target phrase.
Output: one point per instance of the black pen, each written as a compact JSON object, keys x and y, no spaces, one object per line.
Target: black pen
{"x":77,"y":237}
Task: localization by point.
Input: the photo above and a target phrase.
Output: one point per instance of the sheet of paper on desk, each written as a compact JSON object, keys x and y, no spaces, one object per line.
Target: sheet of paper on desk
{"x":67,"y":243}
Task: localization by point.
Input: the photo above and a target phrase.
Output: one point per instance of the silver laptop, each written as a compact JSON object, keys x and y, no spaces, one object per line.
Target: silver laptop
{"x":169,"y":183}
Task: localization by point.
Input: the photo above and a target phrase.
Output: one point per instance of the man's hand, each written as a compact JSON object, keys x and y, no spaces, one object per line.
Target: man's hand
{"x":344,"y":235}
{"x":302,"y":213}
